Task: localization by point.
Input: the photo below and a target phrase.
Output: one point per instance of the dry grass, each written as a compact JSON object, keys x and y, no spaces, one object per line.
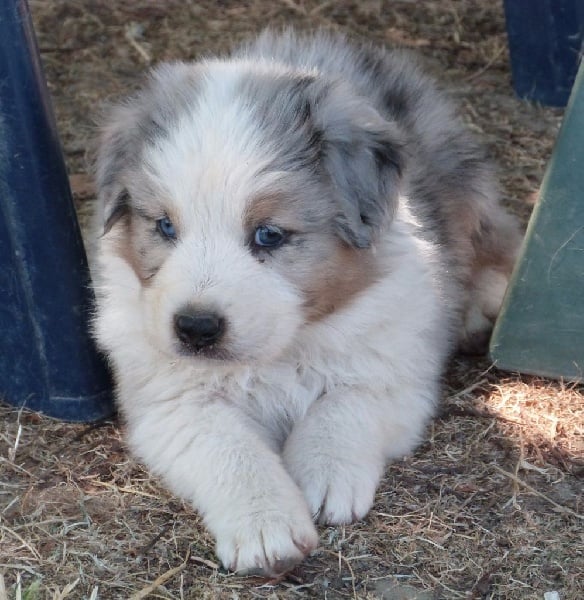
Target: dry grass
{"x":489,"y":507}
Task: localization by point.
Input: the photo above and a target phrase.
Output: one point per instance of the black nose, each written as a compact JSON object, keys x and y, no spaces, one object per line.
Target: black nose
{"x":198,"y":329}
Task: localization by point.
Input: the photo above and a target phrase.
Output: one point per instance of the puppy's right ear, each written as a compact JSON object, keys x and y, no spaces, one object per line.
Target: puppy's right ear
{"x":115,"y":154}
{"x":362,"y":153}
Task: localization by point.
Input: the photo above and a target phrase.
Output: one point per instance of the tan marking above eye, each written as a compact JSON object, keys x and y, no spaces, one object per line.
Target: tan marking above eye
{"x":279,"y":209}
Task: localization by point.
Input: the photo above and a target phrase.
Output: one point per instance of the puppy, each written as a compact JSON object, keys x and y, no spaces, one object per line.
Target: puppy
{"x":291,"y":241}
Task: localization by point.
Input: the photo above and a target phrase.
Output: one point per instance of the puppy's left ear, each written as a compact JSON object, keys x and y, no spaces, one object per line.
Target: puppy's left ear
{"x":362,"y":154}
{"x":116,"y":150}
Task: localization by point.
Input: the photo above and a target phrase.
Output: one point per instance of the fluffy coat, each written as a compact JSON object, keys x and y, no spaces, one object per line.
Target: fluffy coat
{"x":328,"y":347}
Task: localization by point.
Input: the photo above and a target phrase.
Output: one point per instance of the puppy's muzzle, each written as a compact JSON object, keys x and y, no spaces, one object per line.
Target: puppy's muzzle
{"x":198,"y":330}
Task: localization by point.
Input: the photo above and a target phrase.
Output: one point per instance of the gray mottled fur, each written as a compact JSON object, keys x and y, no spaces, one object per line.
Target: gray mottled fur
{"x":445,"y":173}
{"x":333,"y":135}
{"x":359,"y":126}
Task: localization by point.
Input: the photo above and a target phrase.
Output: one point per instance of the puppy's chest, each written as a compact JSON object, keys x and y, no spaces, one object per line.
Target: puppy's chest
{"x":279,"y":396}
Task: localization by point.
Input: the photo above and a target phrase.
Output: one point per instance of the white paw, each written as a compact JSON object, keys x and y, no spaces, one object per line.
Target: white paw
{"x":337,"y":491}
{"x":267,"y":543}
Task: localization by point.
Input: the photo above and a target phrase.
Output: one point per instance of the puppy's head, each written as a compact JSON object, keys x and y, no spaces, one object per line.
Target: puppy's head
{"x":247,"y":200}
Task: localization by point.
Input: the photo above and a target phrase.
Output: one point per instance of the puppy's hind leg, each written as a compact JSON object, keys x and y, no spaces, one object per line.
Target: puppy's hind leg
{"x":485,"y":298}
{"x":496,"y":248}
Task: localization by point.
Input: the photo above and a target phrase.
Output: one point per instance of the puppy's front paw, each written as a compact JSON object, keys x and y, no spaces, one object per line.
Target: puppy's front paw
{"x":267,"y":543}
{"x":337,"y":491}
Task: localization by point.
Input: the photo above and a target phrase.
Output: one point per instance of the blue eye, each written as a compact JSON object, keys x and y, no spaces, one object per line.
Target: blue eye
{"x":166,"y":228}
{"x":268,"y":236}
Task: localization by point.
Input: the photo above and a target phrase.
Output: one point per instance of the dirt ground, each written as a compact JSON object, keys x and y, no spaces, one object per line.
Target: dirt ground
{"x":490,"y":506}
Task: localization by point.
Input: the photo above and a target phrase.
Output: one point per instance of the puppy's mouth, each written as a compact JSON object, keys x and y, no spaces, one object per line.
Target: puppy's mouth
{"x":212,"y":353}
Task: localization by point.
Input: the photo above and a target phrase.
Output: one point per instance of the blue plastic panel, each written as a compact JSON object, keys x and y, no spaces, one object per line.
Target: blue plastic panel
{"x":47,"y":359}
{"x":545,"y":39}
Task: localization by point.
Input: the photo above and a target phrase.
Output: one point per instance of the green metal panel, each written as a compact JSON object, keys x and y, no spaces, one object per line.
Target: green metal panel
{"x":541,"y":326}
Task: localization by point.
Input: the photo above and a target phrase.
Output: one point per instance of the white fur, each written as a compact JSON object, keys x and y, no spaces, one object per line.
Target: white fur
{"x":350,"y":393}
